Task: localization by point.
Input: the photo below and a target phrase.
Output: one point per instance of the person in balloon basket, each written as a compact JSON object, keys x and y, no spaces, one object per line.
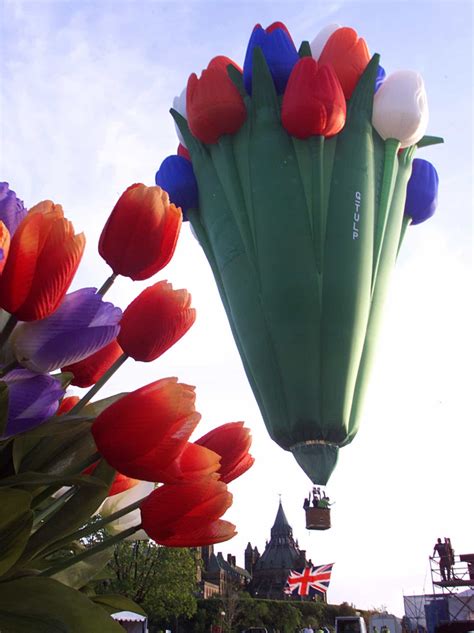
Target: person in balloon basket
{"x":441,"y":549}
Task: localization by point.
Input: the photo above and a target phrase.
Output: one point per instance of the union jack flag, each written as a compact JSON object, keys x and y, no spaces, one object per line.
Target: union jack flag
{"x":309,"y":581}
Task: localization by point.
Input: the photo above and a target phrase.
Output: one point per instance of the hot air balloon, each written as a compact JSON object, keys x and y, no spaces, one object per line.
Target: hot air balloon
{"x":301,"y":230}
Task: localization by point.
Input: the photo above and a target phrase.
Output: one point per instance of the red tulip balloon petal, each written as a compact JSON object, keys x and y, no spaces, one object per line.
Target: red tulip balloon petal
{"x":154,"y":321}
{"x":148,"y":427}
{"x":88,"y":371}
{"x":43,"y":259}
{"x":184,"y":152}
{"x":348,"y":55}
{"x":4,"y":245}
{"x":232,"y":442}
{"x":214,"y":105}
{"x":193,"y":463}
{"x":140,"y":235}
{"x":67,"y":404}
{"x":188,"y":513}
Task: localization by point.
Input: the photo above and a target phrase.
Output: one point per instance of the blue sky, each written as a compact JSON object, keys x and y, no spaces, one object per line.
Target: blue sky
{"x":86,"y":89}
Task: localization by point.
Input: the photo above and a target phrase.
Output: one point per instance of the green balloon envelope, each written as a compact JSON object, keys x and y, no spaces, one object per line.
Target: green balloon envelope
{"x":288,"y":227}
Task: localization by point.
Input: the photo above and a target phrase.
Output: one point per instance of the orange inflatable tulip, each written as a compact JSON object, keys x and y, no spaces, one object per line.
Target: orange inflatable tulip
{"x":44,"y":256}
{"x":140,"y":236}
{"x":232,"y":442}
{"x":214,"y":106}
{"x":187,"y":515}
{"x":4,"y":245}
{"x":143,"y":432}
{"x":88,"y":371}
{"x":348,"y":55}
{"x":154,"y":321}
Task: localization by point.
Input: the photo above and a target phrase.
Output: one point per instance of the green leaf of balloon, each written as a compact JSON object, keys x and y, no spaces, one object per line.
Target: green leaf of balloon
{"x":113,"y":603}
{"x":16,"y":520}
{"x":35,"y":480}
{"x":426,"y":141}
{"x":237,"y":79}
{"x":78,"y":575}
{"x":305,"y":50}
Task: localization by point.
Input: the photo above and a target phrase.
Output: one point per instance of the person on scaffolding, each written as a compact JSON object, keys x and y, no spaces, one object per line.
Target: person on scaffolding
{"x":441,"y":549}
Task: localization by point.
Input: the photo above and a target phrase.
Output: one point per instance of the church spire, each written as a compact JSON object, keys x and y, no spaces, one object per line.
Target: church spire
{"x":281,"y":527}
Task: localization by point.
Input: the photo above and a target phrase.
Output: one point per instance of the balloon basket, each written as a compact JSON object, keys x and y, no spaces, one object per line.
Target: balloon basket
{"x":318,"y":518}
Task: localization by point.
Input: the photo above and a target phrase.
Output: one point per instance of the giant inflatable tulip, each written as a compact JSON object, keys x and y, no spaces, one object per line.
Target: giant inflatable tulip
{"x":301,"y":214}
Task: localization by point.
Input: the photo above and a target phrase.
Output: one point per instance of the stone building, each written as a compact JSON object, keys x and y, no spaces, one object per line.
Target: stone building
{"x":281,"y":554}
{"x":265,"y":574}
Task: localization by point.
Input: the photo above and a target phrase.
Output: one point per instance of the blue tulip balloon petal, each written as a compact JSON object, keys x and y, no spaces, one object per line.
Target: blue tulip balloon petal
{"x":176,"y":177}
{"x":422,"y":191}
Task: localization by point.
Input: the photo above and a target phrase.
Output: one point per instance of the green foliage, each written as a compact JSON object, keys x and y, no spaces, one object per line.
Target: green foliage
{"x":160,"y":579}
{"x":285,"y":616}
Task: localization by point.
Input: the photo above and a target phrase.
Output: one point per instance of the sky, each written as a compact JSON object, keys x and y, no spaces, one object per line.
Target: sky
{"x":85,"y":94}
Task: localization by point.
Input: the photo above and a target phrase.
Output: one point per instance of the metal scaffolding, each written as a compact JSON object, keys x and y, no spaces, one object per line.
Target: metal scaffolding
{"x":453,"y":579}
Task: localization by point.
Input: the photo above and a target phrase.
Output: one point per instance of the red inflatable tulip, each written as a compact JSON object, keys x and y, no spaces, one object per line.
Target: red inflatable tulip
{"x":154,"y":321}
{"x":43,"y":258}
{"x":88,"y":371}
{"x":187,"y":515}
{"x":348,"y":55}
{"x":4,"y":245}
{"x":67,"y":404}
{"x":143,"y":432}
{"x":140,"y":235}
{"x":214,"y":106}
{"x":313,"y":103}
{"x":232,"y":442}
{"x":192,"y":464}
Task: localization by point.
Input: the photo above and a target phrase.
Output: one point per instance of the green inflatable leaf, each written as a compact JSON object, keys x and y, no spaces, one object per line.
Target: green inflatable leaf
{"x":30,"y":605}
{"x":78,"y":575}
{"x":16,"y":520}
{"x":35,"y":480}
{"x":113,"y":603}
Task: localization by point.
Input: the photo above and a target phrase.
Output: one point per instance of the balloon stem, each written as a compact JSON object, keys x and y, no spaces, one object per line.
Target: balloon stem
{"x":318,"y":197}
{"x":107,"y":284}
{"x":390,"y":169}
{"x":90,"y":551}
{"x":98,"y":385}
{"x":405,"y":224}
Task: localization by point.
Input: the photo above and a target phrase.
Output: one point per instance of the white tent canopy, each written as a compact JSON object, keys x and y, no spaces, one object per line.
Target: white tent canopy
{"x":128,"y":615}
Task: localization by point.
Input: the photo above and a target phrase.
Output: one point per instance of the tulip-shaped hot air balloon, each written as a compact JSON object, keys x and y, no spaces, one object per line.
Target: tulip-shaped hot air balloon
{"x":300,"y":219}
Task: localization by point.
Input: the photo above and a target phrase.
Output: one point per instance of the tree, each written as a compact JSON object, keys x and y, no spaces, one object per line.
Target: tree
{"x":162,"y":580}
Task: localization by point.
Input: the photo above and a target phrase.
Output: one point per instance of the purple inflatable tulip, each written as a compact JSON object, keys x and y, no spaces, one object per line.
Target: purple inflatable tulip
{"x":279,"y":51}
{"x":422,"y":192}
{"x":32,"y":399}
{"x":82,"y":325}
{"x":12,"y":210}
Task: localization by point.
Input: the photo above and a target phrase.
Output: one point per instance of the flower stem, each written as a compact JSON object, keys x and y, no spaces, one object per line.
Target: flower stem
{"x":90,"y":551}
{"x":107,"y":284}
{"x":98,"y":385}
{"x":390,"y":169}
{"x":405,"y":224}
{"x":8,"y":329}
{"x":53,"y":507}
{"x":318,"y":197}
{"x":97,"y":525}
